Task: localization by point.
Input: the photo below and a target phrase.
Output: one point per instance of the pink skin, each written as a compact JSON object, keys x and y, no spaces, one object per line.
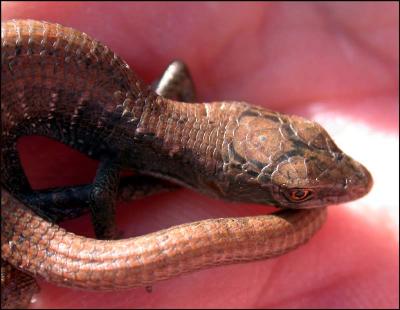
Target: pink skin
{"x":341,"y":59}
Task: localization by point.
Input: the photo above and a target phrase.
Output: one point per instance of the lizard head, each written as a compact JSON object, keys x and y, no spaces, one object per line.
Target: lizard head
{"x":289,"y":162}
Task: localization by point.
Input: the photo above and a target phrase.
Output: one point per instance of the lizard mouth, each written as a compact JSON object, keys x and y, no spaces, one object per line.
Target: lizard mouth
{"x":360,"y":181}
{"x":356,"y":183}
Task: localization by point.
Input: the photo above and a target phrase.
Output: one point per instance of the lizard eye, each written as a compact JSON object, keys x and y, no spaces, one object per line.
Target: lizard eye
{"x":299,"y":194}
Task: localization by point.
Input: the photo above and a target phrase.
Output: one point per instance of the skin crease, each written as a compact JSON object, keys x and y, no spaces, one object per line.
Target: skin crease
{"x":295,"y":58}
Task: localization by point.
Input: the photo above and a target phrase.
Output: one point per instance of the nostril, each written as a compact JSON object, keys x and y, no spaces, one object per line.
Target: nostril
{"x":339,"y":156}
{"x":361,"y":175}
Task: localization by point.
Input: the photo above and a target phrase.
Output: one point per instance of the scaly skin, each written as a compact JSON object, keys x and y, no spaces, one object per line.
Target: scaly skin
{"x":60,"y":83}
{"x":64,"y":258}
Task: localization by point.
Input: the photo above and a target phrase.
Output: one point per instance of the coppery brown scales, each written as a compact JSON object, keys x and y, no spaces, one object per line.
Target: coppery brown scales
{"x":60,"y":83}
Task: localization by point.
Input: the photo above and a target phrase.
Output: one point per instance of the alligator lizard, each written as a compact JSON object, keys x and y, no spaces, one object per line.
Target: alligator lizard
{"x":60,"y":83}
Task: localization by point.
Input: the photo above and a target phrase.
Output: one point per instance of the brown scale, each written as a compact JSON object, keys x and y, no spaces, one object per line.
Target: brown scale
{"x":60,"y":83}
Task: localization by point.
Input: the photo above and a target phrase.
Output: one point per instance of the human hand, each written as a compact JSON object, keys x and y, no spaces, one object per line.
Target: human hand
{"x":332,"y":62}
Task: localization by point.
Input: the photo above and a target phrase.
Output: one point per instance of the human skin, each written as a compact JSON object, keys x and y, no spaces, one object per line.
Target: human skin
{"x":336,"y":63}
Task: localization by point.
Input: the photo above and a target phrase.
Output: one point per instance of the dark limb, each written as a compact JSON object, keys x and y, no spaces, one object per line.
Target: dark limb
{"x":102,"y":199}
{"x":64,"y":203}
